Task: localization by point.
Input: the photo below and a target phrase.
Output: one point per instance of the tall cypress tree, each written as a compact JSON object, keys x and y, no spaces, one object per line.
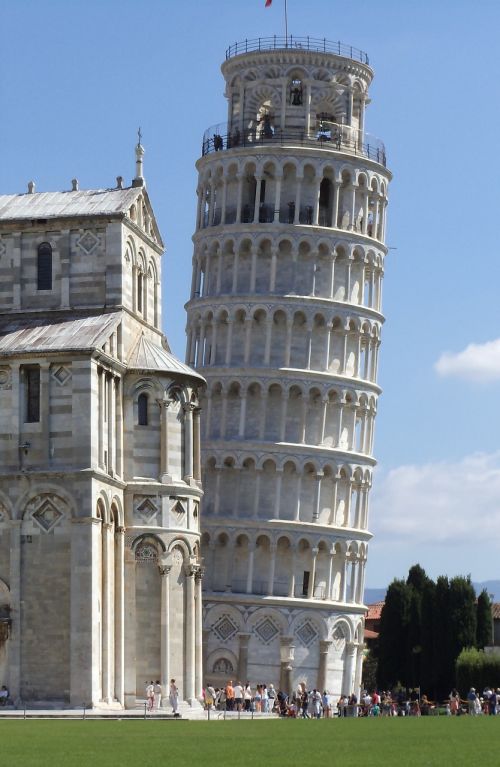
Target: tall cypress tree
{"x":393,"y":641}
{"x":484,"y":631}
{"x":442,"y":671}
{"x":416,"y":582}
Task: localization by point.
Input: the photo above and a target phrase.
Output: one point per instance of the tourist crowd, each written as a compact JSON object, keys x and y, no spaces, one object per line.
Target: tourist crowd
{"x":313,"y":704}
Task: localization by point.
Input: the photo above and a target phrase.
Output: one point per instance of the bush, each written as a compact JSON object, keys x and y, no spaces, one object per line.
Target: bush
{"x":475,"y":668}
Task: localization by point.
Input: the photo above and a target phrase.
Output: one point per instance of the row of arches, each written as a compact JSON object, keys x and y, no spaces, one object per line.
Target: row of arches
{"x":255,"y":563}
{"x":263,"y":337}
{"x":350,"y":274}
{"x":296,"y":414}
{"x":331,"y":495}
{"x":331,"y":196}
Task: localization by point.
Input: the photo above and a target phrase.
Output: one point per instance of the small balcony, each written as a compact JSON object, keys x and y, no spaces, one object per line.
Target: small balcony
{"x":327,"y":136}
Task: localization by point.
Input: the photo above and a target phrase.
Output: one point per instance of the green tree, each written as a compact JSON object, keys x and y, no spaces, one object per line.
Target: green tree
{"x":417,"y":581}
{"x":462,"y":614}
{"x":443,"y":671}
{"x":484,"y":630}
{"x":393,"y":639}
{"x":427,"y":666}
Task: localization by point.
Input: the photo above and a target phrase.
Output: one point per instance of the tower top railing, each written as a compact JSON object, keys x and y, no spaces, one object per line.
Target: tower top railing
{"x":316,"y":44}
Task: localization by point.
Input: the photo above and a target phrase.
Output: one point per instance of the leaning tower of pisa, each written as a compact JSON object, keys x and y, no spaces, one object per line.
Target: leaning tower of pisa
{"x":284,"y":323}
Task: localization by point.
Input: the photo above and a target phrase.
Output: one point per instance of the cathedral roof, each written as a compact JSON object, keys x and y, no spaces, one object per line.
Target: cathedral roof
{"x":89,"y":202}
{"x":148,"y":356}
{"x":42,"y":334}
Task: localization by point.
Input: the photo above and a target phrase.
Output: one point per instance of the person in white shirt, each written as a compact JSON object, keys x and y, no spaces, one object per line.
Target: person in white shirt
{"x":150,"y":695}
{"x":174,"y":697}
{"x":157,"y":694}
{"x":238,"y":696}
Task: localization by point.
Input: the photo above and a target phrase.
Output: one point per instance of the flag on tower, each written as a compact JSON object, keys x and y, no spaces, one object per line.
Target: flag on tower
{"x":268,"y":3}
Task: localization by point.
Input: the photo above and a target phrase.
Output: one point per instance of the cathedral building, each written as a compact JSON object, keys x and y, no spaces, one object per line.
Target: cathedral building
{"x":100,"y":577}
{"x":284,"y":323}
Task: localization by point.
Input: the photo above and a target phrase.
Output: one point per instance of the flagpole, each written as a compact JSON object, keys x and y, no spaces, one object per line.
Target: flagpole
{"x":286,"y":25}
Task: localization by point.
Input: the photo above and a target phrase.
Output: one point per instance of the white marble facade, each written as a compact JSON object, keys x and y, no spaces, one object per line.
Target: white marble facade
{"x":100,"y":577}
{"x":284,"y":322}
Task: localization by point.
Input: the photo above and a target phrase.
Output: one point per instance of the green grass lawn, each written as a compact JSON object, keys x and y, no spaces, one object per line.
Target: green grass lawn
{"x":424,"y":742}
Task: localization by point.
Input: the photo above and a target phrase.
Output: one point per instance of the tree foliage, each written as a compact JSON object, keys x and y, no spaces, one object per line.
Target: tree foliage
{"x":424,"y":627}
{"x":484,"y":631}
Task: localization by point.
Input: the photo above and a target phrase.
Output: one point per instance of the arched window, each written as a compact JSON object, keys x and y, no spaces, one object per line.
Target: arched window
{"x":44,"y":267}
{"x":142,"y":410}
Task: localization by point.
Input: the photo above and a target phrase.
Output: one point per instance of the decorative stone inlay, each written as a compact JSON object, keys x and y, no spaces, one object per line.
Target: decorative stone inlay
{"x":147,"y":509}
{"x":5,"y":377}
{"x":88,"y":242}
{"x":338,"y":639}
{"x":179,"y":508}
{"x":307,"y":633}
{"x":266,"y":630}
{"x":61,"y":375}
{"x":225,"y":628}
{"x":146,"y":553}
{"x":47,"y":515}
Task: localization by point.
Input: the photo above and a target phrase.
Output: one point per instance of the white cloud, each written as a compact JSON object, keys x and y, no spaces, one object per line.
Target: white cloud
{"x":444,"y":504}
{"x":477,"y":362}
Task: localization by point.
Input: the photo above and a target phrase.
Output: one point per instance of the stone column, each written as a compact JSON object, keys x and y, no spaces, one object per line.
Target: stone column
{"x":198,"y":647}
{"x":100,"y":407}
{"x":164,"y":404}
{"x":85,"y":587}
{"x":277,"y":498}
{"x":14,"y":668}
{"x":324,"y":647}
{"x":253,"y":267}
{"x":119,"y":426}
{"x":251,"y":556}
{"x":277,"y":199}
{"x":267,"y":348}
{"x":242,"y":671}
{"x":119,"y":615}
{"x":111,"y":424}
{"x":312,"y":577}
{"x":343,"y":581}
{"x":257,"y":493}
{"x":272,"y":566}
{"x":287,"y":652}
{"x":299,"y":491}
{"x":196,"y":444}
{"x":317,"y":497}
{"x":165,"y":625}
{"x":349,"y":665}
{"x":291,"y":582}
{"x":188,"y":441}
{"x":330,"y":575}
{"x":274,"y":263}
{"x":106,"y":612}
{"x":45,"y":410}
{"x":189,"y":689}
{"x":243,"y":411}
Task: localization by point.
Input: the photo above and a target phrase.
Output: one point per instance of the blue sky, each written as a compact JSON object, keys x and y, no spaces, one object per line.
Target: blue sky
{"x":76,"y":80}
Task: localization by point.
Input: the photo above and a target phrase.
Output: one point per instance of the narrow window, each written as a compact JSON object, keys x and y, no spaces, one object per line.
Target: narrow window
{"x":139,"y":292}
{"x":32,"y":394}
{"x":44,"y":267}
{"x":305,"y":583}
{"x":142,"y":410}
